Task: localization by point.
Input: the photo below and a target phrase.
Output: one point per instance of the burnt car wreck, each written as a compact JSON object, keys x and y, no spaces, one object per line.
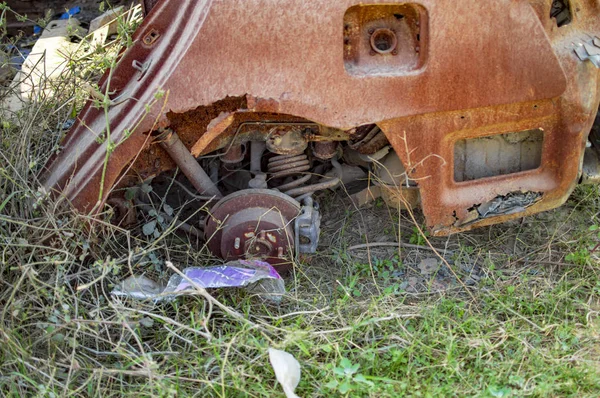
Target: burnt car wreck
{"x":478,"y":111}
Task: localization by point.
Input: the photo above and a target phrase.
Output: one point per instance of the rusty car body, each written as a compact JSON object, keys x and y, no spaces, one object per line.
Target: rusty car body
{"x":482,"y":107}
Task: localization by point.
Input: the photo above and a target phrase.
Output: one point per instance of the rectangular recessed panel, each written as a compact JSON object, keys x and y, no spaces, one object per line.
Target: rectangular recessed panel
{"x":496,"y":155}
{"x":385,"y":39}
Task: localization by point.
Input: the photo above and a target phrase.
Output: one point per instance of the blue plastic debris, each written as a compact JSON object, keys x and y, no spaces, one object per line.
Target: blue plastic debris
{"x":66,"y":15}
{"x":72,"y":11}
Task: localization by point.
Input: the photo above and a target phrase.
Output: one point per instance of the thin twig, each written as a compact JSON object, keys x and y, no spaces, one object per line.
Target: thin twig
{"x":397,"y":244}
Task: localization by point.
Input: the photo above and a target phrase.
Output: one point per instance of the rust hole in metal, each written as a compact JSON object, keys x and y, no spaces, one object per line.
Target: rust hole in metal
{"x":561,"y":12}
{"x":383,"y":41}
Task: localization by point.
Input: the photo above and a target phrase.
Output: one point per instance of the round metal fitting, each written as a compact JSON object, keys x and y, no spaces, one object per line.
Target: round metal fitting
{"x":383,"y":41}
{"x":325,"y":150}
{"x":233,"y":154}
{"x":286,"y":142}
{"x":253,"y":223}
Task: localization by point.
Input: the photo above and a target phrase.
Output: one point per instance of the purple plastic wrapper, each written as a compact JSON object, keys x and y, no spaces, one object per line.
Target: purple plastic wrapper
{"x":236,"y":274}
{"x":239,"y":273}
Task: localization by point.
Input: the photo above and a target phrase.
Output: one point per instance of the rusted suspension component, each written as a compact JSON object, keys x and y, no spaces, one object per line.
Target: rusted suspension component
{"x":296,"y":183}
{"x":286,"y":165}
{"x":327,"y":184}
{"x":189,"y":166}
{"x":325,"y":150}
{"x":367,"y":140}
{"x":233,"y":154}
{"x":257,"y":149}
{"x":286,"y":142}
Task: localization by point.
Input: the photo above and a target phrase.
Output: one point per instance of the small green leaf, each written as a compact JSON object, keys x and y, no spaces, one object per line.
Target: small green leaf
{"x":353,"y":369}
{"x":499,"y":392}
{"x":149,"y":228}
{"x":362,"y":379}
{"x":58,"y":337}
{"x":345,"y":387}
{"x":339,"y":371}
{"x":345,"y":363}
{"x":130,"y":194}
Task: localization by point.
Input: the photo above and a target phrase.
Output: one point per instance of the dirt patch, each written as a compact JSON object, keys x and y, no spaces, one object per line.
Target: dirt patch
{"x":368,"y":236}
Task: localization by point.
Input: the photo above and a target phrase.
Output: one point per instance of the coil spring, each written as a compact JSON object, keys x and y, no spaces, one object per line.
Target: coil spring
{"x":289,"y":165}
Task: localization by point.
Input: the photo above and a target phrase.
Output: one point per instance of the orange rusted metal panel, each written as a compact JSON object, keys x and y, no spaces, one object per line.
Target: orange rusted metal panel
{"x":453,"y":70}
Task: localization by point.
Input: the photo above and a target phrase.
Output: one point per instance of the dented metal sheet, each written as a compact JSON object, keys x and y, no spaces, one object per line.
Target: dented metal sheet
{"x":514,"y":202}
{"x":502,"y":205}
{"x":435,"y":73}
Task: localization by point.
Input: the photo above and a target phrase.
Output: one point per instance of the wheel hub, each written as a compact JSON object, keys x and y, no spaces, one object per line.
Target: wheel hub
{"x":253,"y":223}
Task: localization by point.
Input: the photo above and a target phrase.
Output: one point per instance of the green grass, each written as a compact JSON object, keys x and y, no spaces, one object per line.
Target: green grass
{"x":521,"y":320}
{"x":523,"y":330}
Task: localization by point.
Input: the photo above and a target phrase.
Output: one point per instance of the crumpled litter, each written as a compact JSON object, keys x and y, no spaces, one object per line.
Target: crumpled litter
{"x":287,"y":371}
{"x":259,"y":276}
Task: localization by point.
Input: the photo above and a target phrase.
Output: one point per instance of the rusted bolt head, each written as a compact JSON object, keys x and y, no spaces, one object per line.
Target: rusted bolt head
{"x":383,"y":41}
